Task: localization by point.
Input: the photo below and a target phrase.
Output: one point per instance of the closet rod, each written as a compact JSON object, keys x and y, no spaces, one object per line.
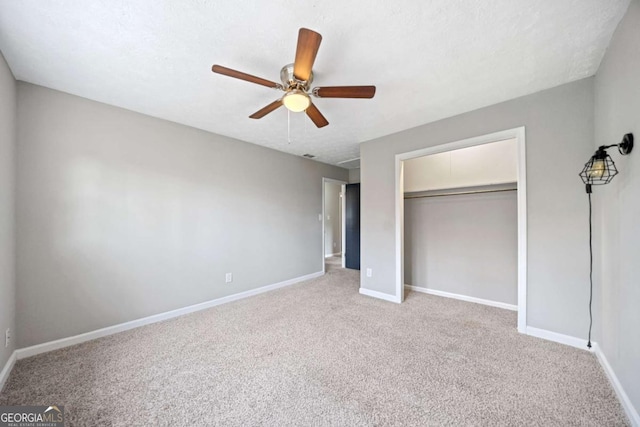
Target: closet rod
{"x":461,"y":193}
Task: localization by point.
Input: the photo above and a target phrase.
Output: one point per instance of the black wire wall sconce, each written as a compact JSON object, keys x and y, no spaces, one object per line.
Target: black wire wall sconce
{"x":600,"y":170}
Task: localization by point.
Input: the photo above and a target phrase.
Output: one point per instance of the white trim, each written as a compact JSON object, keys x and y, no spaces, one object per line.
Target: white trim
{"x":379,"y":295}
{"x":4,"y":375}
{"x":520,"y":136}
{"x":631,"y":412}
{"x":324,"y":268}
{"x":399,"y":228}
{"x":522,"y":230}
{"x":110,"y":330}
{"x":497,"y":304}
{"x":556,"y":337}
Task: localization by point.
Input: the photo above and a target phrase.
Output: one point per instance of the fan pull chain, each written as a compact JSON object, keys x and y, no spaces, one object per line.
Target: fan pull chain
{"x":289,"y":126}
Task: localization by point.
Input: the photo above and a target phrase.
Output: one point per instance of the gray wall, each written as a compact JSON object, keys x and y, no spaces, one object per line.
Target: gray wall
{"x":354,"y":176}
{"x":332,"y":219}
{"x":464,"y":244}
{"x":617,"y":111}
{"x":121,"y":216}
{"x":8,"y":109}
{"x":559,"y":136}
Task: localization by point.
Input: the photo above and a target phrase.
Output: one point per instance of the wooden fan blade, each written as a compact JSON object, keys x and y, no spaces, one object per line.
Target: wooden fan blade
{"x":266,"y":110}
{"x":316,"y":116}
{"x":308,"y":44}
{"x":243,"y":76}
{"x":345,"y":91}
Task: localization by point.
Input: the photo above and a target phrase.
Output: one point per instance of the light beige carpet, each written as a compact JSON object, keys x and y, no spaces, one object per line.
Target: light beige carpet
{"x":334,"y":261}
{"x":318,"y":353}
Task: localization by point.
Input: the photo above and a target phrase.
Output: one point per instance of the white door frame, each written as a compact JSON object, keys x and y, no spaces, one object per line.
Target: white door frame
{"x":519,"y":135}
{"x":324,"y":217}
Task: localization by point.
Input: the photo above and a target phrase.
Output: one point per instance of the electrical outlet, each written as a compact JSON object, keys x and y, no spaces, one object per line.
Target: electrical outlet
{"x":369,"y":272}
{"x":7,"y":337}
{"x":320,"y":217}
{"x":228,"y":278}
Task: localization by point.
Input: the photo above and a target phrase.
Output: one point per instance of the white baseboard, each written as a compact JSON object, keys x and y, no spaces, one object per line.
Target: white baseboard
{"x":110,"y":330}
{"x":580,"y":343}
{"x":463,"y":297}
{"x":631,"y":412}
{"x":559,"y":338}
{"x":4,"y":374}
{"x":379,"y":295}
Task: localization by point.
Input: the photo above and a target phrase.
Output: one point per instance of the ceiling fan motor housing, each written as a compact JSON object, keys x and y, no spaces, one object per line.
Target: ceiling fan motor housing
{"x":290,"y":82}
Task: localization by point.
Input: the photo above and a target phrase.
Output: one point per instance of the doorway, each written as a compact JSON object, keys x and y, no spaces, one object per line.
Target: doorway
{"x":518,"y":135}
{"x":333,"y":223}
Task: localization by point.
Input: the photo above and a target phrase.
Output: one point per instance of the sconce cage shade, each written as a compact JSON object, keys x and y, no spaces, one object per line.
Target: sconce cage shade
{"x":599,"y":170}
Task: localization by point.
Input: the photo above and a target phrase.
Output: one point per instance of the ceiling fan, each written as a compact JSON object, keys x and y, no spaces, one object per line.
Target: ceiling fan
{"x":296,"y":82}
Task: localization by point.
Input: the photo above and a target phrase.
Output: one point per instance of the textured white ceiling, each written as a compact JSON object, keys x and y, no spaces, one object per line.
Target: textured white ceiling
{"x":428,"y":59}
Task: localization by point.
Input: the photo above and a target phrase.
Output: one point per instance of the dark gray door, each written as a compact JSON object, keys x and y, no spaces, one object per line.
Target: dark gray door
{"x":352,"y":226}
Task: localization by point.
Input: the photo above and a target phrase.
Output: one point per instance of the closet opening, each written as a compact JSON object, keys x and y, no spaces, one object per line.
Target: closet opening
{"x":461,"y":221}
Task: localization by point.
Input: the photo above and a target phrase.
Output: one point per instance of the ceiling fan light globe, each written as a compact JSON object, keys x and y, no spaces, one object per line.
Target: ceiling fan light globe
{"x":296,"y":101}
